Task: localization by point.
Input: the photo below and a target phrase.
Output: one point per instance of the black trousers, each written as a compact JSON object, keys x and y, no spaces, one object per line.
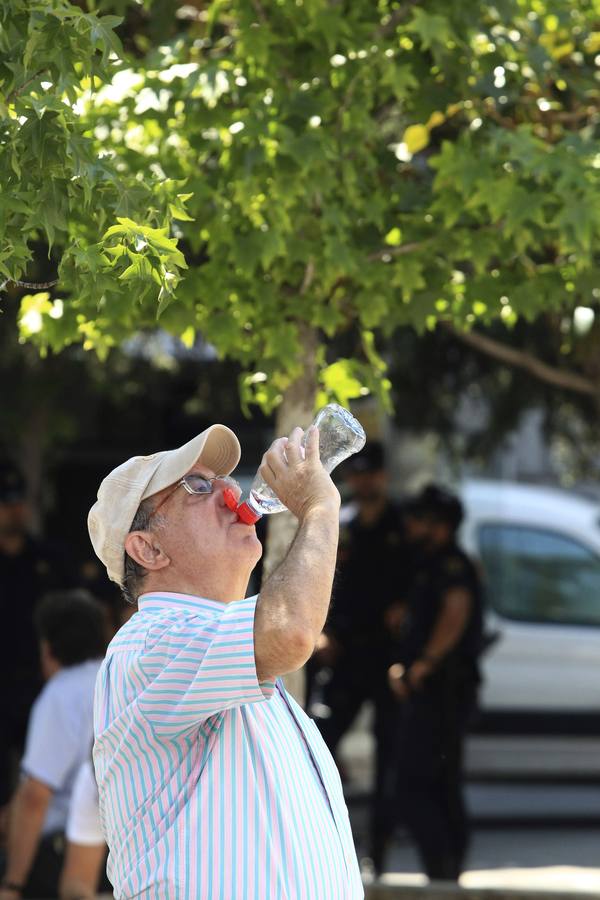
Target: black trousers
{"x":350,"y":685}
{"x":429,"y":790}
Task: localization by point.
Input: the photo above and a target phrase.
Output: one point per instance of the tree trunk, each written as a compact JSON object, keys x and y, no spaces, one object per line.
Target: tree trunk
{"x":296,"y":408}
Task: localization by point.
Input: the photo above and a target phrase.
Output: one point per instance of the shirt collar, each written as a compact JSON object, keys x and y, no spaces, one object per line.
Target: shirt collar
{"x":159,"y":600}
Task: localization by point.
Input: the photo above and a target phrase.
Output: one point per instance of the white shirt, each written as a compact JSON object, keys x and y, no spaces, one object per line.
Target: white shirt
{"x":83,"y":824}
{"x":59,"y":736}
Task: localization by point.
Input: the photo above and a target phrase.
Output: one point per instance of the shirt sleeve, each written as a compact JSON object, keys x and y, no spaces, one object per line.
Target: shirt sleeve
{"x":455,"y":572}
{"x":199,"y":667}
{"x":51,"y":749}
{"x":83,"y":823}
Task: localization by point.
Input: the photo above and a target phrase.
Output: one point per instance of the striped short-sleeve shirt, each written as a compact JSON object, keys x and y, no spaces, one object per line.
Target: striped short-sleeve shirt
{"x":212,"y":785}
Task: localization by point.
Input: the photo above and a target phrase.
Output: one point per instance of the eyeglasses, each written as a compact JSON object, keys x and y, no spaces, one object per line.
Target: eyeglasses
{"x":197,"y":484}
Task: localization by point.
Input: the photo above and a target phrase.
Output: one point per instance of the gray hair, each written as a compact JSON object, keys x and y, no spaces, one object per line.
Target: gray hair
{"x":133,"y":572}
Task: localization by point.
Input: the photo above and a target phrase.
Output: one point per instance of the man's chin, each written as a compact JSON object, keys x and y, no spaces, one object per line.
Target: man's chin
{"x":258,"y":546}
{"x":247,"y":534}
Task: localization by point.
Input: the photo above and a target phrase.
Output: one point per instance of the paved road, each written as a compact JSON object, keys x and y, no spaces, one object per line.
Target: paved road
{"x":533,"y":858}
{"x":535,"y":804}
{"x":535,"y":836}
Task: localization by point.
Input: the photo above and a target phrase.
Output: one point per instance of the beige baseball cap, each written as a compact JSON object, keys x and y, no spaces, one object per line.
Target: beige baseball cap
{"x":122,"y":491}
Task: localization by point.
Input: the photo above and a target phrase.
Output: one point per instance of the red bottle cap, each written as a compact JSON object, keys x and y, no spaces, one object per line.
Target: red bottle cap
{"x":244,"y":513}
{"x":230,"y":499}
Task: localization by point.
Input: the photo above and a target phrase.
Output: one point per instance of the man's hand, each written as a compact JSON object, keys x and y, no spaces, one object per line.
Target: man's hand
{"x":418,"y":673}
{"x":397,"y":683}
{"x":297,"y":475}
{"x":7,"y":894}
{"x":404,"y":682}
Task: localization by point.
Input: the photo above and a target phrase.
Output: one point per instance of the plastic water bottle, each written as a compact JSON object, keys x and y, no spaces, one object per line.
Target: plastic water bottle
{"x":340,"y":435}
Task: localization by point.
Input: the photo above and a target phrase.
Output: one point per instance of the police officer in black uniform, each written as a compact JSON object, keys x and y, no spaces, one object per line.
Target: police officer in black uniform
{"x":435,"y":680}
{"x":29,"y":567}
{"x":354,"y":649}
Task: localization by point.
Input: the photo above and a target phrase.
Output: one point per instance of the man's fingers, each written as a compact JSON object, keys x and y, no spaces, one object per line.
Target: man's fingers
{"x":267,"y":473}
{"x":293,"y":449}
{"x":274,"y":458}
{"x":312,"y":443}
{"x":295,"y":437}
{"x":285,"y":451}
{"x":276,"y":451}
{"x":278,"y":444}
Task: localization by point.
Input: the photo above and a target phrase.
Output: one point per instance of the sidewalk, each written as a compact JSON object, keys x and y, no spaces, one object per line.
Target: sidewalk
{"x":511,"y":857}
{"x":443,"y":892}
{"x":534,"y":837}
{"x":573,"y":880}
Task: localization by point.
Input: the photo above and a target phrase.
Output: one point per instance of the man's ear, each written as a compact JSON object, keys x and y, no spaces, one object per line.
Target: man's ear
{"x":144,"y":549}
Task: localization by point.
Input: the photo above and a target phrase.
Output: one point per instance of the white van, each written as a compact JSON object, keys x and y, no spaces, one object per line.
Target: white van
{"x":539,"y":551}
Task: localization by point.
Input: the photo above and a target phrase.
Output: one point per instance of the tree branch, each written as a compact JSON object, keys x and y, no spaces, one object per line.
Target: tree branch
{"x":537,"y":116}
{"x":260,"y":11}
{"x":568,"y":381}
{"x":418,"y":245}
{"x":397,"y":251}
{"x":396,"y":17}
{"x":16,"y":91}
{"x":309,"y":274}
{"x":30,"y":285}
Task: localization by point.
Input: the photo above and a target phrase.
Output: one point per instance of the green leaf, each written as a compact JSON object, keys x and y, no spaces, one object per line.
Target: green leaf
{"x":165,"y":298}
{"x":247,"y":251}
{"x":130,"y":199}
{"x":407,"y":274}
{"x":431,"y":28}
{"x":103,"y":36}
{"x":416,"y":137}
{"x":401,"y":79}
{"x":140,"y":268}
{"x":178,"y":212}
{"x":393,"y":237}
{"x":376,"y":361}
{"x":339,"y":379}
{"x":188,"y":337}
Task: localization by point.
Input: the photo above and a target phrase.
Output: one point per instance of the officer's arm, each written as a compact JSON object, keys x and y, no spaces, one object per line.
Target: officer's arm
{"x":28,"y":812}
{"x":81,"y":871}
{"x":450,"y":624}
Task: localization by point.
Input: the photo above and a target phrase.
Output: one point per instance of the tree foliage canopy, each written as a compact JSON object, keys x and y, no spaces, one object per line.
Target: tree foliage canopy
{"x":243,"y":166}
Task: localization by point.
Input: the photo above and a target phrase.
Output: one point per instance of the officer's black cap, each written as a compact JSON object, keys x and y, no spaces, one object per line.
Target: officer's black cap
{"x":438,"y":503}
{"x":370,"y":459}
{"x":12,"y":483}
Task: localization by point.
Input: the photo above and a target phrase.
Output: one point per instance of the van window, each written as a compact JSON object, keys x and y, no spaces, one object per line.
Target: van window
{"x":535,"y":575}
